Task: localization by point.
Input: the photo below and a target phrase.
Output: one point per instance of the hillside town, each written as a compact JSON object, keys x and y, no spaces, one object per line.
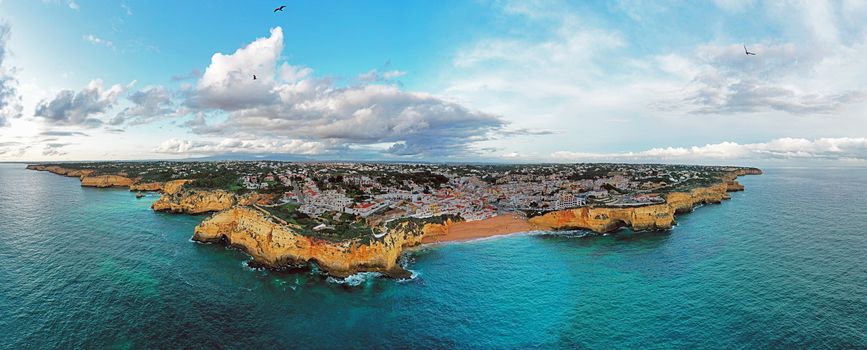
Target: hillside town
{"x":378,"y":192}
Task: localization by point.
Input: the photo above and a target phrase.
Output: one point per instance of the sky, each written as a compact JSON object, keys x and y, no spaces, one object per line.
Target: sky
{"x":446,"y":80}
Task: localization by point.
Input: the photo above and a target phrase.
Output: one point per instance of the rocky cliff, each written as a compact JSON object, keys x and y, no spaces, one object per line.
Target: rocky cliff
{"x":278,"y":245}
{"x":177,"y":198}
{"x":61,"y":171}
{"x":649,"y":217}
{"x":106,"y":181}
{"x":146,"y":186}
{"x":194,"y":201}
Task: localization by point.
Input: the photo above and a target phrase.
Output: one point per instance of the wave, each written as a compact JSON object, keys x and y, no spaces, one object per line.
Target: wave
{"x":356,"y":279}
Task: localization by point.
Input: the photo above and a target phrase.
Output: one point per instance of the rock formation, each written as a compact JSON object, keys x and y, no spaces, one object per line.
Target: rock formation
{"x":191,"y":201}
{"x":278,"y":245}
{"x":177,"y":198}
{"x":61,"y":171}
{"x":106,"y":181}
{"x":146,"y":186}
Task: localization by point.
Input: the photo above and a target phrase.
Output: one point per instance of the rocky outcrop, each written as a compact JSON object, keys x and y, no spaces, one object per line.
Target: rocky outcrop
{"x":177,"y":198}
{"x":146,"y":186}
{"x":61,"y":171}
{"x":106,"y":181}
{"x":747,"y":171}
{"x":279,"y":245}
{"x":194,"y":201}
{"x":172,"y":187}
{"x":734,"y":186}
{"x":649,"y":217}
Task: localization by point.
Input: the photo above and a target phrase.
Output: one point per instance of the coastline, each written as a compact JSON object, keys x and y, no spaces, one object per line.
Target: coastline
{"x":274,"y":244}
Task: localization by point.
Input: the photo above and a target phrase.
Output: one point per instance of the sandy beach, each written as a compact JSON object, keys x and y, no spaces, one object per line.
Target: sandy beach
{"x":495,"y":226}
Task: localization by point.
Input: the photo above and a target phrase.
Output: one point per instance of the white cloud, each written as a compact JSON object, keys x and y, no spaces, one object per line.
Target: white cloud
{"x":204,"y":147}
{"x":287,"y":101}
{"x":726,"y":81}
{"x":374,"y":75}
{"x":80,"y":108}
{"x":601,"y":84}
{"x":843,"y":148}
{"x":10,"y":101}
{"x":93,"y":39}
{"x":228,"y":82}
{"x":148,"y":104}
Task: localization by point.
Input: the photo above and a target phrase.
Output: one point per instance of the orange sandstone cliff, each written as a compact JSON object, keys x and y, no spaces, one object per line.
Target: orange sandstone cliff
{"x":177,"y":198}
{"x":649,"y":217}
{"x":278,"y":245}
{"x":146,"y":186}
{"x":106,"y":181}
{"x":61,"y":171}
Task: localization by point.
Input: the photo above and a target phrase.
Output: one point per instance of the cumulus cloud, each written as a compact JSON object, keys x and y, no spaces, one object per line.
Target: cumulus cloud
{"x":287,"y":101}
{"x":843,"y":148}
{"x":10,"y":101}
{"x":148,"y":104}
{"x":202,"y":147}
{"x":80,"y":108}
{"x":228,"y":83}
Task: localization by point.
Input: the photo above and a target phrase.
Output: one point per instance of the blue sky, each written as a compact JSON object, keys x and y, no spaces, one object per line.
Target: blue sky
{"x":515,"y":81}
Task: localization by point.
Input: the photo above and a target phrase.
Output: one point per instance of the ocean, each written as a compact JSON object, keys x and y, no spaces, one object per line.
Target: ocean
{"x":781,"y":265}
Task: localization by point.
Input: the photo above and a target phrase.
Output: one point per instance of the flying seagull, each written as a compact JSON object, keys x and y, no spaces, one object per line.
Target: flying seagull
{"x":254,"y":76}
{"x":748,"y":51}
{"x":280,"y":8}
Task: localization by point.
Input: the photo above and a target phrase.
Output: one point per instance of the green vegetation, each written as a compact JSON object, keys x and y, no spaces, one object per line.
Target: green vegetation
{"x":340,"y":226}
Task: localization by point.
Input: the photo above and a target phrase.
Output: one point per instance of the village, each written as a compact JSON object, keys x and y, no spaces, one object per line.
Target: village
{"x":376,"y":193}
{"x":381,"y":192}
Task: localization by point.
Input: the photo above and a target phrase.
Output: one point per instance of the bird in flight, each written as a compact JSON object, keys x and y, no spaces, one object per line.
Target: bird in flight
{"x":747,"y":52}
{"x":254,"y":76}
{"x":280,"y":8}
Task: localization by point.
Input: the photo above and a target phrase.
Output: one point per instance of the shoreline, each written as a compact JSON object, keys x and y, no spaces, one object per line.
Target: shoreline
{"x":275,"y":245}
{"x":499,"y":225}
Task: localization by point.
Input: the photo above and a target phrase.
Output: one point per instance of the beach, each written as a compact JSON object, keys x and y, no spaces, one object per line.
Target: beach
{"x":494,"y":226}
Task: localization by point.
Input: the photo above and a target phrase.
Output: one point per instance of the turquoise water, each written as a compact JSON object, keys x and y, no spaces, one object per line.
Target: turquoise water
{"x":781,"y":265}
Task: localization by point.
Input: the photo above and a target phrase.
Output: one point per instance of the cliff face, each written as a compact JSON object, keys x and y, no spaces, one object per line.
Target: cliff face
{"x":146,"y":186}
{"x":194,"y":201}
{"x":277,"y":245}
{"x":650,"y":217}
{"x":178,"y":199}
{"x":61,"y":171}
{"x":172,"y":187}
{"x":106,"y":181}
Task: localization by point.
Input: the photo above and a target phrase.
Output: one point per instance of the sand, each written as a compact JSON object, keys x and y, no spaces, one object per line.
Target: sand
{"x":494,"y":226}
